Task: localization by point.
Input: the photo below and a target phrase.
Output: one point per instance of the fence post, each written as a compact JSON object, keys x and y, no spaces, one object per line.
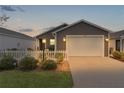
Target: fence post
{"x":43,"y":54}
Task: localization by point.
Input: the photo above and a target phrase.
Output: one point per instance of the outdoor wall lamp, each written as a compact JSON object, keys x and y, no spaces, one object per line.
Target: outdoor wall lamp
{"x":64,"y":39}
{"x":44,"y":41}
{"x":107,"y":39}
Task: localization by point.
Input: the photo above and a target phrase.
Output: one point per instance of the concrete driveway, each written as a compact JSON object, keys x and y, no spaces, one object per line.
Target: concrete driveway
{"x":97,"y":72}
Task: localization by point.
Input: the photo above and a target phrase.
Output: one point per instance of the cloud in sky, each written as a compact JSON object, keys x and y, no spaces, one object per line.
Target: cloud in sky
{"x":11,"y":8}
{"x":31,"y":33}
{"x":20,"y":9}
{"x":26,"y":30}
{"x":7,"y":8}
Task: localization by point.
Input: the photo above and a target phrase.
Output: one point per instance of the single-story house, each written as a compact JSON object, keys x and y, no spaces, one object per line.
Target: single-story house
{"x":11,"y":40}
{"x":82,"y":38}
{"x":117,"y":41}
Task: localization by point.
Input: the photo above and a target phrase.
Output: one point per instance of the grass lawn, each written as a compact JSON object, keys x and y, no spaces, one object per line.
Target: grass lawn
{"x":35,"y":79}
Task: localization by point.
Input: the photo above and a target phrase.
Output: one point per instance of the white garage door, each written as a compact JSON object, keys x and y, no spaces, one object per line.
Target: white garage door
{"x":85,"y":45}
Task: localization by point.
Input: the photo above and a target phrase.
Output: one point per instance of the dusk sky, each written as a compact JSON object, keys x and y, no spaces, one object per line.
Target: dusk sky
{"x":33,"y":20}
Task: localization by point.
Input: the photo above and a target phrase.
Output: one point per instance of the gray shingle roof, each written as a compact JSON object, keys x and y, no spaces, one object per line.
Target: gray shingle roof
{"x":85,"y":21}
{"x":53,"y":29}
{"x":117,"y":34}
{"x":8,"y":32}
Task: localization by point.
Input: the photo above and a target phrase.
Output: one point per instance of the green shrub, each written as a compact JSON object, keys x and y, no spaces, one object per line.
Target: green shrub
{"x":12,"y":49}
{"x":7,"y":62}
{"x":28,"y":63}
{"x":49,"y":65}
{"x":29,"y":49}
{"x":59,"y":57}
{"x":117,"y":54}
{"x":122,"y":56}
{"x":51,"y":48}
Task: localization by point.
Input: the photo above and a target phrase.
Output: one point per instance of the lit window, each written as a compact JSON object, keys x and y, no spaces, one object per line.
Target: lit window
{"x":52,"y":41}
{"x":43,"y":40}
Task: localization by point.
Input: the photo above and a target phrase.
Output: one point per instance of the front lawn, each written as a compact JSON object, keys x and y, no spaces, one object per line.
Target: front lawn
{"x":35,"y":79}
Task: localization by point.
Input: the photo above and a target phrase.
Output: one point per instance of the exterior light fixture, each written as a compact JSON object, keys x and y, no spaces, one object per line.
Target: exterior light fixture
{"x":44,"y":41}
{"x":107,"y":39}
{"x":64,"y":39}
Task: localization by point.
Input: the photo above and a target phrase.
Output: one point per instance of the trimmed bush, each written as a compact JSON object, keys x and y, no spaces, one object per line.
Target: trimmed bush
{"x":7,"y":63}
{"x":59,"y":57}
{"x":49,"y":65}
{"x":29,"y":49}
{"x":122,"y":56}
{"x":117,"y":54}
{"x":28,"y":63}
{"x":51,"y":48}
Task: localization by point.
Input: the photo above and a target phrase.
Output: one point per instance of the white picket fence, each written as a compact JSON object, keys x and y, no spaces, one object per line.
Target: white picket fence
{"x":37,"y":54}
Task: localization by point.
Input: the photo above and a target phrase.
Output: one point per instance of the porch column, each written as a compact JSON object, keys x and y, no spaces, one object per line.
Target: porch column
{"x":121,"y":44}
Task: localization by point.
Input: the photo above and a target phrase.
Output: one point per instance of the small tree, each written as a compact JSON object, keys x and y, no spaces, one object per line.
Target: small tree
{"x":3,"y":19}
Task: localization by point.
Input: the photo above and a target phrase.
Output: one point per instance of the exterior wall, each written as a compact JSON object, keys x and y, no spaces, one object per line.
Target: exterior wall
{"x":81,"y":29}
{"x":37,"y":44}
{"x":46,"y":36}
{"x":7,"y":42}
{"x":123,"y":45}
{"x":113,"y":44}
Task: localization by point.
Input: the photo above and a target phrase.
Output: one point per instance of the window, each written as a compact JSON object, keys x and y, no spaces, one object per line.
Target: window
{"x":52,"y":41}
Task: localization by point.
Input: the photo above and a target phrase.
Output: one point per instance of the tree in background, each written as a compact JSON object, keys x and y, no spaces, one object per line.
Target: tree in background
{"x":3,"y":12}
{"x":3,"y":19}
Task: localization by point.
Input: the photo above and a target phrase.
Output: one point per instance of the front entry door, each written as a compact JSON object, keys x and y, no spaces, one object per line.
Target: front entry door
{"x":117,"y":45}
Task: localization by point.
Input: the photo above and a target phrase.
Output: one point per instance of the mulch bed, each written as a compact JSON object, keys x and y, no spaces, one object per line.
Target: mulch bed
{"x":117,"y":59}
{"x":64,"y":66}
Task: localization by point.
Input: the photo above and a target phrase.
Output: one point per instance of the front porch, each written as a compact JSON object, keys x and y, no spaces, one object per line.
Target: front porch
{"x":117,"y":44}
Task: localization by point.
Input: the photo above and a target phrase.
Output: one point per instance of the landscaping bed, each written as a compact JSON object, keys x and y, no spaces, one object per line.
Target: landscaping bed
{"x":118,"y":56}
{"x":64,"y":66}
{"x":31,"y":73}
{"x":117,"y":59}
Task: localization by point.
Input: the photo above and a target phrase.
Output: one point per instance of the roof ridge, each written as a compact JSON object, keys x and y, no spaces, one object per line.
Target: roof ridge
{"x":83,"y":20}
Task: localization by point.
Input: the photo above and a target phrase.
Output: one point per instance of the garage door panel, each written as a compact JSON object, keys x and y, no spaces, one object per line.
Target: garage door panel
{"x":85,"y":46}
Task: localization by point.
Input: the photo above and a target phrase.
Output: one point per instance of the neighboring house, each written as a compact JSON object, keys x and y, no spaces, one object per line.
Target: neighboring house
{"x":82,"y":38}
{"x":11,"y":40}
{"x":117,"y":41}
